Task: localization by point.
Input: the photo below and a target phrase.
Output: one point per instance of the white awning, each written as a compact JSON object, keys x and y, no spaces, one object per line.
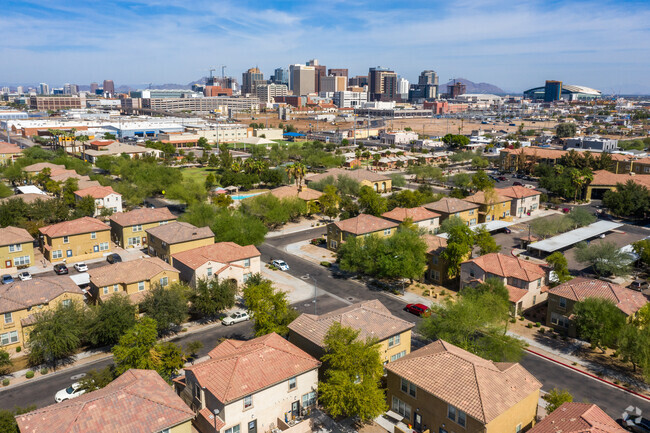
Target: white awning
{"x":574,"y":236}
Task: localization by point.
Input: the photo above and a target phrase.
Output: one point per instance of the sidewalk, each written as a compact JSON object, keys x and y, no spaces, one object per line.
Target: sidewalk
{"x":313,"y":253}
{"x":301,"y":226}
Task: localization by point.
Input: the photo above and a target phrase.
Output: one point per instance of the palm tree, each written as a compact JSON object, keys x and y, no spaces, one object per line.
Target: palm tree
{"x":296,"y":170}
{"x":83,"y":139}
{"x":73,"y":134}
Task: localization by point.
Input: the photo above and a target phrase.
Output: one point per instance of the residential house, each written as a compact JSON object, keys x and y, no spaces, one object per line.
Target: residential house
{"x":437,"y":267}
{"x":9,"y":153}
{"x":604,"y":181}
{"x":362,"y":225}
{"x":290,"y":191}
{"x":28,"y":198}
{"x":105,"y":198}
{"x":168,"y":239}
{"x":522,"y":200}
{"x":134,"y":278}
{"x":379,"y":182}
{"x":562,"y":299}
{"x":139,"y":401}
{"x":223,"y":260}
{"x":371,"y":318}
{"x":21,"y":299}
{"x":16,"y":249}
{"x":128,"y":228}
{"x":442,"y":388}
{"x":574,"y":417}
{"x":527,"y":282}
{"x":420,"y":216}
{"x":76,"y":240}
{"x":251,"y":386}
{"x":492,"y":206}
{"x":117,"y":149}
{"x":449,"y":206}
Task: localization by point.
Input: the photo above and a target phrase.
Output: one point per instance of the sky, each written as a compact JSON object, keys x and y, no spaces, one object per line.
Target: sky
{"x":515,"y":45}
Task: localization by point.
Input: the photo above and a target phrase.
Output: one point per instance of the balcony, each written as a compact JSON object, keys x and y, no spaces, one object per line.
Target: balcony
{"x":301,"y":424}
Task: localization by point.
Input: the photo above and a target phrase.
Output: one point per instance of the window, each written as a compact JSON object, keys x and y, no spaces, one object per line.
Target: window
{"x":397,"y":356}
{"x":209,"y":272}
{"x":539,"y":283}
{"x":247,"y":276}
{"x":386,"y":232}
{"x":518,"y":428}
{"x":248,"y":401}
{"x":8,"y":318}
{"x":57,"y":254}
{"x":21,"y":261}
{"x":197,"y":391}
{"x":562,"y":302}
{"x":134,"y":241}
{"x":309,"y":399}
{"x":471,"y":212}
{"x":164,"y":431}
{"x":66,"y":302}
{"x":103,"y":246}
{"x":140,"y":286}
{"x":66,"y":239}
{"x":247,"y":263}
{"x":137,"y":228}
{"x":164,"y":281}
{"x":333,"y":244}
{"x":472,"y":221}
{"x":462,"y":418}
{"x":394,"y":340}
{"x":451,"y":412}
{"x":106,"y":290}
{"x":436,"y":276}
{"x":434,"y":259}
{"x":9,"y":338}
{"x":115,"y":287}
{"x":93,"y":235}
{"x":234,"y":429}
{"x":402,"y":408}
{"x":408,"y":387}
{"x":292,"y":383}
{"x":14,"y":248}
{"x":559,"y":320}
{"x":471,"y":272}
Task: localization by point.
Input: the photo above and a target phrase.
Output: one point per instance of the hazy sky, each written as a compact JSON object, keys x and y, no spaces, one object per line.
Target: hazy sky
{"x":514,"y":44}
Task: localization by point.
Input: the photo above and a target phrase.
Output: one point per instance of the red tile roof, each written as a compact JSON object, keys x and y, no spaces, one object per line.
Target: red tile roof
{"x":577,"y":418}
{"x":481,"y":388}
{"x":435,"y":244}
{"x":481,"y":198}
{"x":508,"y":266}
{"x":372,"y":318}
{"x":6,"y":148}
{"x":578,"y":289}
{"x":416,"y":214}
{"x":607,"y":178}
{"x":96,"y":192}
{"x":222,"y":252}
{"x":14,"y":235}
{"x":515,"y":293}
{"x":139,"y":401}
{"x":129,"y":272}
{"x":363,"y":224}
{"x":21,"y":295}
{"x":290,"y":191}
{"x":450,"y":205}
{"x":517,"y":191}
{"x":74,"y":227}
{"x":142,"y":216}
{"x":240,"y":368}
{"x":176,"y":232}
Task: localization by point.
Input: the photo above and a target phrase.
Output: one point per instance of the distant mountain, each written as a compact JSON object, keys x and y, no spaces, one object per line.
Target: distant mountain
{"x":473,"y":87}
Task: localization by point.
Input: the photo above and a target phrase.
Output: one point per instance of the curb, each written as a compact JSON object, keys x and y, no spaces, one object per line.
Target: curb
{"x":593,"y":376}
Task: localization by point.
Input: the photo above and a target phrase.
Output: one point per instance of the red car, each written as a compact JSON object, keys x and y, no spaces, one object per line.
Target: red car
{"x":517,"y":184}
{"x":417,"y":309}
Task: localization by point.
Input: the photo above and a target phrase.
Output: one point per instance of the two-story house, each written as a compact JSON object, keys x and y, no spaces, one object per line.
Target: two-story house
{"x":251,"y":386}
{"x":76,"y":240}
{"x":522,"y":200}
{"x":134,"y":278}
{"x":128,"y":228}
{"x":362,"y":225}
{"x":562,"y":299}
{"x":137,"y":401}
{"x":16,"y":249}
{"x":168,"y":239}
{"x":105,"y":198}
{"x":378,"y":182}
{"x":442,"y":388}
{"x":9,"y":153}
{"x":21,"y":299}
{"x":492,"y":206}
{"x":527,"y":282}
{"x":573,"y":417}
{"x":371,"y":318}
{"x":437,"y":267}
{"x":223,"y":260}
{"x":449,"y":206}
{"x":420,"y":216}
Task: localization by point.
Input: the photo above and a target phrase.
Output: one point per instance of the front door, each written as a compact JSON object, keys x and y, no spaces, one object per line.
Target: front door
{"x":417,"y":422}
{"x":252,"y":426}
{"x":7,"y":263}
{"x":295,"y":408}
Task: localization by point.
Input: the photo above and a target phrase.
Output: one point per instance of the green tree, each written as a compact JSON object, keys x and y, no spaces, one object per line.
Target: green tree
{"x":560,"y":266}
{"x":486,"y":242}
{"x":371,"y":202}
{"x":398,"y":180}
{"x":628,"y":200}
{"x":203,"y":142}
{"x":556,"y":398}
{"x":5,"y":362}
{"x":110,"y":320}
{"x":171,"y":361}
{"x":462,"y":180}
{"x":580,"y":217}
{"x":137,"y":348}
{"x":634,"y":344}
{"x":451,"y":222}
{"x":8,"y":422}
{"x":598,"y":321}
{"x":459,"y":248}
{"x":329,"y":201}
{"x":69,"y":187}
{"x":85,"y":207}
{"x":564,"y":130}
{"x":222,"y":200}
{"x":642,"y":249}
{"x":98,"y":379}
{"x":225,"y":158}
{"x":269,"y":307}
{"x":5,"y":191}
{"x":481,"y":181}
{"x":167,"y":306}
{"x":605,"y":258}
{"x":212,"y":296}
{"x":353,"y":375}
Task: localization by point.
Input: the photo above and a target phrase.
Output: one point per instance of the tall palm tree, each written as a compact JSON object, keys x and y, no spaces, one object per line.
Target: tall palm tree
{"x":299,"y":171}
{"x":83,"y":139}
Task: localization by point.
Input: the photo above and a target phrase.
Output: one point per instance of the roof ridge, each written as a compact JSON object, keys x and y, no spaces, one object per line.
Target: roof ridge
{"x":144,"y":397}
{"x":478,"y":387}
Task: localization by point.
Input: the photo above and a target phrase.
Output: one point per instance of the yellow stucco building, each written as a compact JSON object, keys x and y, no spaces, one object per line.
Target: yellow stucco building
{"x":16,"y":249}
{"x":362,"y":225}
{"x":76,"y":240}
{"x":128,"y":229}
{"x":449,"y":206}
{"x":492,"y":206}
{"x":166,"y":240}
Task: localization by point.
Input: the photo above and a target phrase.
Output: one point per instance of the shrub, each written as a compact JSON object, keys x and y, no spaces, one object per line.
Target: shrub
{"x":44,"y":370}
{"x":537,"y":324}
{"x":326,"y":264}
{"x":554,"y":336}
{"x":443,"y":293}
{"x":521,"y":318}
{"x":541,"y":330}
{"x":529,"y":325}
{"x":5,"y":382}
{"x":513,"y":320}
{"x":29,"y":374}
{"x":18,"y":349}
{"x":426,"y":293}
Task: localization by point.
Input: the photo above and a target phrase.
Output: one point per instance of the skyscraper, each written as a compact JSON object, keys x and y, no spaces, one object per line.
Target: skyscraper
{"x":428,"y":84}
{"x":552,"y":91}
{"x":281,"y":76}
{"x":376,"y":82}
{"x":338,"y":72}
{"x":249,"y":79}
{"x":44,"y":89}
{"x":109,"y":87}
{"x":403,"y":87}
{"x":319,"y":71}
{"x":456,"y":89}
{"x":302,"y":79}
{"x":93,"y":88}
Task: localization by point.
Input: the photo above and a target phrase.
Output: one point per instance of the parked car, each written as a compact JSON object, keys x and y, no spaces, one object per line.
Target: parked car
{"x":502,"y":178}
{"x":24,"y":276}
{"x":566,"y":210}
{"x":417,"y":309}
{"x":639,"y":285}
{"x":517,"y":184}
{"x":60,"y":269}
{"x":236,"y":317}
{"x":507,"y":231}
{"x":642,"y":426}
{"x":280,"y":264}
{"x":81,"y":267}
{"x":113,"y":258}
{"x":73,"y":391}
{"x":7,"y":279}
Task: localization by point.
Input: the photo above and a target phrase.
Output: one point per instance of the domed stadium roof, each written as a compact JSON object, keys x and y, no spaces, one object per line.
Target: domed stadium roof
{"x":580,"y":89}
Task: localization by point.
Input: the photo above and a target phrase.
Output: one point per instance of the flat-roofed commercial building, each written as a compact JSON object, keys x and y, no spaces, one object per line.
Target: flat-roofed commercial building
{"x":56,"y":102}
{"x":203,"y":105}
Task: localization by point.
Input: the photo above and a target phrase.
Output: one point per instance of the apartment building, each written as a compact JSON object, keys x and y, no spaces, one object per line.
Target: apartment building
{"x":76,"y":240}
{"x":105,"y":198}
{"x":16,"y":249}
{"x":166,"y":240}
{"x":362,"y":225}
{"x":128,"y":228}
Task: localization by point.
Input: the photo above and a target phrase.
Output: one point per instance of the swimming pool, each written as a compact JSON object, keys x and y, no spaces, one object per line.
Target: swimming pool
{"x":241,"y":197}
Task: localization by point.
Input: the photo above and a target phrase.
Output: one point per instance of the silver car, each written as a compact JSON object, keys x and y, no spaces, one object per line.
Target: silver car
{"x":236,"y":317}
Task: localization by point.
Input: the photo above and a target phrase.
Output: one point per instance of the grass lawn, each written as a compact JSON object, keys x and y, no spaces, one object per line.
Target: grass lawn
{"x":197,"y":173}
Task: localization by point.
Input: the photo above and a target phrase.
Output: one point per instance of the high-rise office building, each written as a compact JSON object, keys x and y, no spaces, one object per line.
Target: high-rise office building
{"x":403,"y":87}
{"x":280,"y":76}
{"x":268,"y":92}
{"x":338,"y":72}
{"x":93,"y":88}
{"x":376,"y":81}
{"x":456,"y":89}
{"x":427,"y":86}
{"x":249,"y":79}
{"x":390,"y":88}
{"x":552,"y":91}
{"x":333,"y":84}
{"x":302,"y":79}
{"x":319,"y":71}
{"x":109,"y":87}
{"x":44,"y":89}
{"x":358,"y":81}
{"x":19,"y":90}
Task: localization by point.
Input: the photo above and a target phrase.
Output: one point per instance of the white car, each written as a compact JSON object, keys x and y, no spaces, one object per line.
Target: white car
{"x":73,"y":391}
{"x":236,"y":317}
{"x":24,"y":276}
{"x":280,"y":264}
{"x":81,"y":267}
